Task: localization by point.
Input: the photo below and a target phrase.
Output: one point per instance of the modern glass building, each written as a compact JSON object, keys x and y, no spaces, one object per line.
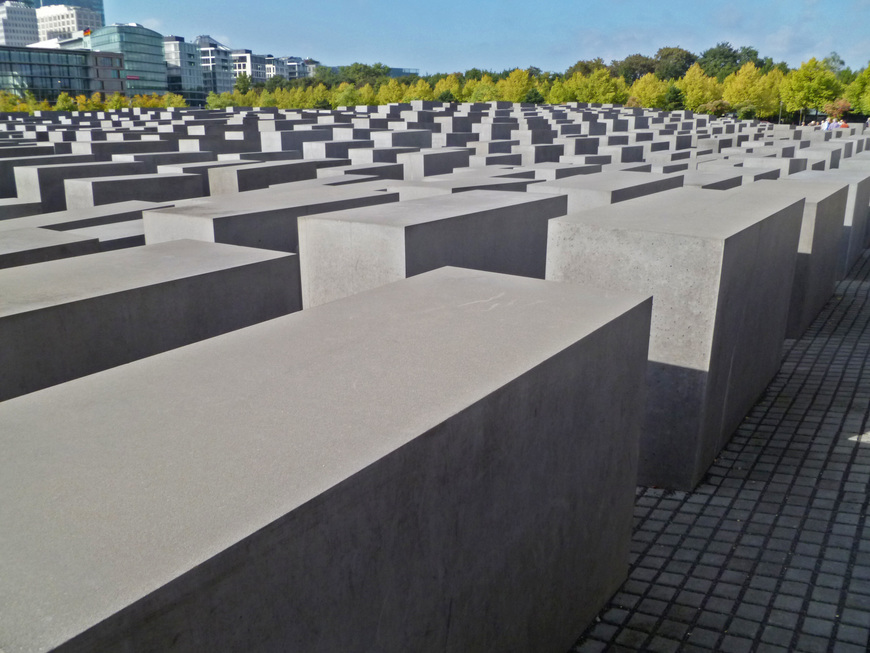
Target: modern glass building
{"x":184,"y":70}
{"x":144,"y":65}
{"x":48,"y":72}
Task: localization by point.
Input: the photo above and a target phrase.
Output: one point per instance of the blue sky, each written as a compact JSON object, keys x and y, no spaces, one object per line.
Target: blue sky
{"x":453,"y":35}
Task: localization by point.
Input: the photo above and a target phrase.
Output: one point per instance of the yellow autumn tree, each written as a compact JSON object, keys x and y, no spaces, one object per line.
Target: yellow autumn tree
{"x":649,"y":91}
{"x":514,"y":87}
{"x":698,"y":88}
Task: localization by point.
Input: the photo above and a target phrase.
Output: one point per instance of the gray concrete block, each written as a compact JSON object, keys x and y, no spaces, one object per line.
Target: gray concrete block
{"x":34,"y":245}
{"x":346,"y":252}
{"x":64,"y":319}
{"x":590,"y":191}
{"x":117,"y":235}
{"x":80,"y":218}
{"x":475,"y":493}
{"x":719,"y":309}
{"x":159,"y":187}
{"x":259,"y":218}
{"x":819,"y":248}
{"x":855,"y":226}
{"x":427,"y":163}
{"x":9,"y":165}
{"x":45,"y":183}
{"x":254,"y":176}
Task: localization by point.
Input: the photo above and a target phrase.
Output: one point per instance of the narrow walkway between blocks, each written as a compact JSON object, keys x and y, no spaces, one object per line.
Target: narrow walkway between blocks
{"x":772,"y":551}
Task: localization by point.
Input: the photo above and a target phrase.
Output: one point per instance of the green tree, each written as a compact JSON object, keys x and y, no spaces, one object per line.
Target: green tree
{"x":243,"y":83}
{"x":64,"y":103}
{"x":633,"y":67}
{"x":672,"y":63}
{"x":174,"y":100}
{"x":585,"y":67}
{"x":599,"y":87}
{"x":484,"y":90}
{"x":345,"y":95}
{"x":675,"y":99}
{"x":858,"y":92}
{"x":534,"y":96}
{"x":811,"y":86}
{"x":274,"y":83}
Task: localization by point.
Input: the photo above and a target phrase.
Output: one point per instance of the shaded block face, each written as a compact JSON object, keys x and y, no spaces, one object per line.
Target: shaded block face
{"x":719,"y":311}
{"x":86,"y":193}
{"x":46,"y":183}
{"x":347,"y":252}
{"x":34,"y":245}
{"x":64,"y":319}
{"x":818,"y":250}
{"x":263,"y":219}
{"x":592,"y":191}
{"x":468,"y":494}
{"x":855,"y":226}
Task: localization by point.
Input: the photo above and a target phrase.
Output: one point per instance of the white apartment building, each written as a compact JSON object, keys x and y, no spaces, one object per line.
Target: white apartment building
{"x":254,"y":65}
{"x":62,"y":21}
{"x":18,"y":26}
{"x":276,"y":66}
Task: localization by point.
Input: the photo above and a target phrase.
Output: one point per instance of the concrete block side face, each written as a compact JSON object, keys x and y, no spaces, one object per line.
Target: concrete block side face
{"x":163,"y":226}
{"x":154,"y":188}
{"x":339,"y":258}
{"x":483,"y":533}
{"x":752,"y":316}
{"x":855,"y":229}
{"x":683,"y":276}
{"x":57,"y":344}
{"x":508,"y":239}
{"x":681,"y":273}
{"x":815,"y":273}
{"x":78,"y":194}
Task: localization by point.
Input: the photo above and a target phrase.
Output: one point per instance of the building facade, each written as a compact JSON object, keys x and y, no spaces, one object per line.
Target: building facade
{"x":48,"y":73}
{"x":253,"y":65}
{"x":93,"y":5}
{"x":62,"y":21}
{"x":144,"y":65}
{"x":184,"y":73}
{"x":217,"y":65}
{"x":18,"y":25}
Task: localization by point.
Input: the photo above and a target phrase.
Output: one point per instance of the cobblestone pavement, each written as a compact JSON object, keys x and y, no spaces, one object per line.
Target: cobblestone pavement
{"x":772,"y":551}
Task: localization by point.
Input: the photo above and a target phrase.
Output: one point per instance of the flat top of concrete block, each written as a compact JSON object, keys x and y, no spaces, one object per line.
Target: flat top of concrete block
{"x":20,"y":240}
{"x":280,"y":196}
{"x":701,"y":178}
{"x":687,"y":211}
{"x":813,"y":193}
{"x":116,"y":483}
{"x":129,"y":210}
{"x":849,"y":175}
{"x":433,"y":208}
{"x":47,"y":284}
{"x":608,"y":180}
{"x":113,"y":231}
{"x":127,"y":178}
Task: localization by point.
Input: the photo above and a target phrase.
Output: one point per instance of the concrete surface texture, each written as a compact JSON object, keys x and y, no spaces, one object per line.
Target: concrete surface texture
{"x":156,"y":491}
{"x":68,"y":318}
{"x":719,"y":306}
{"x":438,"y":497}
{"x":345,"y":252}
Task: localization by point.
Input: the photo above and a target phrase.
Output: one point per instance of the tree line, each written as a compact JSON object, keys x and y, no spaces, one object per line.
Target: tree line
{"x":722,"y":79}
